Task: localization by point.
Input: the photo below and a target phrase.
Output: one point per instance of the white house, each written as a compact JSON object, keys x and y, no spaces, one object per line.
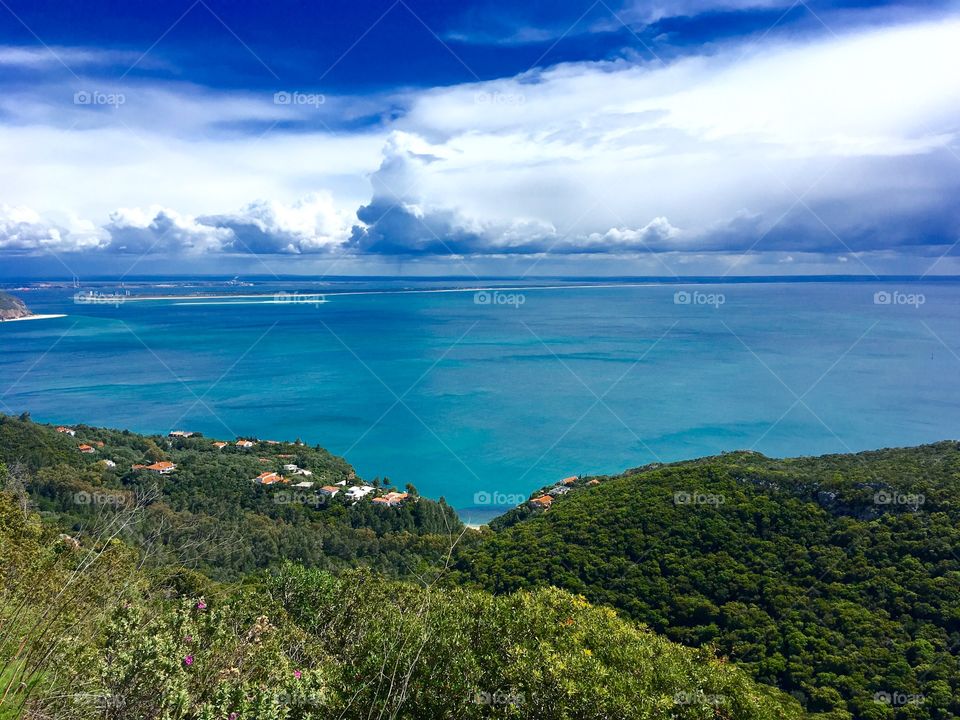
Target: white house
{"x":329,"y":490}
{"x":290,"y":467}
{"x":359,"y":491}
{"x":305,"y":484}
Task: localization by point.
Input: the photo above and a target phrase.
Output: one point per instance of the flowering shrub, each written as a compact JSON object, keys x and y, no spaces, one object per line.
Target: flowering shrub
{"x":191,"y":660}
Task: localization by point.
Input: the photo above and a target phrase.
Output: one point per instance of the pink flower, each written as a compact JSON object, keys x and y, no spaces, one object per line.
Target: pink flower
{"x":233,"y":716}
{"x":297,"y":674}
{"x":201,"y":605}
{"x":188,"y":660}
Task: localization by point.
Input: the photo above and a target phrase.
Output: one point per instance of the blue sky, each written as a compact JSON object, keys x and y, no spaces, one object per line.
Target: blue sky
{"x":684,"y":138}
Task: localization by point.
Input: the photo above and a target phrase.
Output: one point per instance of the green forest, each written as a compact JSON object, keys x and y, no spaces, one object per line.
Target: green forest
{"x":835,"y":578}
{"x":736,"y":586}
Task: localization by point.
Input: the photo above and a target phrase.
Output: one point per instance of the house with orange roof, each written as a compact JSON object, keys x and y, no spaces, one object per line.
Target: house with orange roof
{"x":219,"y":445}
{"x":569,"y":480}
{"x":86,"y":449}
{"x":329,"y":490}
{"x":163,"y":467}
{"x":269,"y":478}
{"x":541,"y":503}
{"x":593,"y":482}
{"x":66,"y":430}
{"x":244,"y":444}
{"x":391,"y":499}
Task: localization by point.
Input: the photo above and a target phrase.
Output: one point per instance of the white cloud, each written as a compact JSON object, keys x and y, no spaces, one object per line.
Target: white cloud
{"x":310,"y":224}
{"x":23,"y":229}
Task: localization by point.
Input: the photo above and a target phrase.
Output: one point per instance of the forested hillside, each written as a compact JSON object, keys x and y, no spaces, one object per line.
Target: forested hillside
{"x":835,"y":578}
{"x":89,"y":632}
{"x":209,"y":514}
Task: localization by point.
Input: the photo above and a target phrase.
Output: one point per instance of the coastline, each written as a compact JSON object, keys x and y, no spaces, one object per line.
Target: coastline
{"x":33,"y":317}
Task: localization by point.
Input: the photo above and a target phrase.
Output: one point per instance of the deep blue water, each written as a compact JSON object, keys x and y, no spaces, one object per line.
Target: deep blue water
{"x":471,"y":400}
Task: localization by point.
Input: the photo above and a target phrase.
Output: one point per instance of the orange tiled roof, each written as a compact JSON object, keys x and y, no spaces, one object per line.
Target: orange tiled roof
{"x":569,"y":480}
{"x":542,"y":500}
{"x":162,"y":465}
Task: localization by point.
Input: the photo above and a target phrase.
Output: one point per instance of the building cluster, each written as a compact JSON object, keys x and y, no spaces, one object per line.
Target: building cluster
{"x":544,"y":501}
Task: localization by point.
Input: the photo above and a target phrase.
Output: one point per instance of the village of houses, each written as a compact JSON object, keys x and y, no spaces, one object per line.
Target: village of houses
{"x":300,"y":478}
{"x":544,"y":501}
{"x":291,"y":476}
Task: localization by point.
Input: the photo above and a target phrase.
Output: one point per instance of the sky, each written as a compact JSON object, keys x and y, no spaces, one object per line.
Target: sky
{"x":420,"y":137}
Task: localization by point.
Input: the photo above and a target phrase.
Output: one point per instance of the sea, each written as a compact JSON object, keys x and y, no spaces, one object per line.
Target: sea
{"x":482,"y":391}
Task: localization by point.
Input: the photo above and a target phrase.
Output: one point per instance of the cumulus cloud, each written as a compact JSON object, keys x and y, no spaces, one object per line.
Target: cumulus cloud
{"x":161,"y":230}
{"x":308,"y":225}
{"x":22,"y":229}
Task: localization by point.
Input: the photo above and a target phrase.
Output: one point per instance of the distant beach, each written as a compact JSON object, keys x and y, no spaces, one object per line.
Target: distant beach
{"x":32,"y":317}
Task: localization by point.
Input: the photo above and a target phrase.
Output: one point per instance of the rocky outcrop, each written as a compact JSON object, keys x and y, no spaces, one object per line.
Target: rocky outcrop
{"x":12,"y":308}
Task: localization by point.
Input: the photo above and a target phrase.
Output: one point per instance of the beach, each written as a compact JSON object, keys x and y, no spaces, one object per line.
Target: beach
{"x":34,"y":317}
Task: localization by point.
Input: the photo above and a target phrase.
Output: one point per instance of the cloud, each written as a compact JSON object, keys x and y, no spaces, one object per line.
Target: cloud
{"x":308,"y":225}
{"x":22,"y":229}
{"x":161,"y":230}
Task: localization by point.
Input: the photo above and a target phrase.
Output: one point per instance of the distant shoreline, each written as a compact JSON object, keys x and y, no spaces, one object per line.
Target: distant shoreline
{"x":298,"y":298}
{"x":32,"y":317}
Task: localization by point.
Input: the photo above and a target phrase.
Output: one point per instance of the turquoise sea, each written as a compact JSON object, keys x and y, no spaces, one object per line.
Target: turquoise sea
{"x":482,"y":399}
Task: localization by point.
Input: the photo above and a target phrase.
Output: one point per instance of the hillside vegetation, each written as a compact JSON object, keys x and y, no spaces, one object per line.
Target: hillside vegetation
{"x":87,"y":632}
{"x":208,"y":514}
{"x":835,"y":578}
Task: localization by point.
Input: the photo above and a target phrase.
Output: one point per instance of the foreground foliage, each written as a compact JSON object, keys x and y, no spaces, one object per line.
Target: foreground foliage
{"x":88,"y":633}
